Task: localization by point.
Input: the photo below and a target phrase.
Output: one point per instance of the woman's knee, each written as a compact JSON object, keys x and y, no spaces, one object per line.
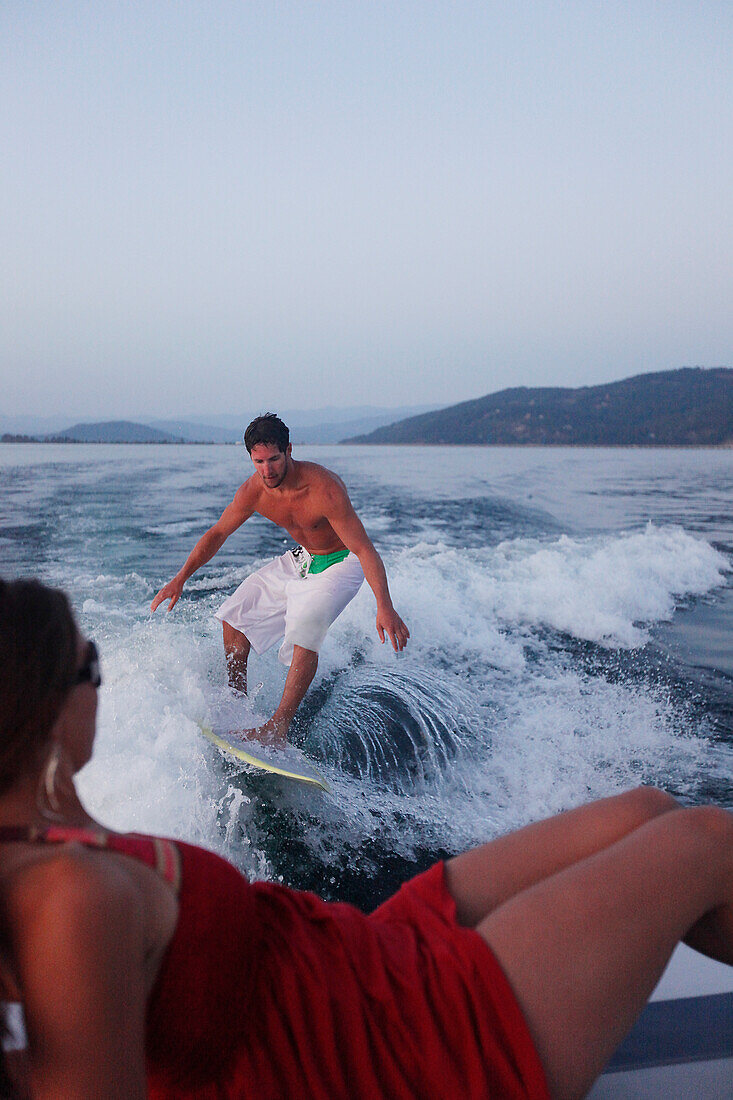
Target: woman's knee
{"x":646,"y":803}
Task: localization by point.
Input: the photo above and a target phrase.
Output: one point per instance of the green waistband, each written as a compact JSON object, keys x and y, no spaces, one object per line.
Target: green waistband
{"x":319,"y":562}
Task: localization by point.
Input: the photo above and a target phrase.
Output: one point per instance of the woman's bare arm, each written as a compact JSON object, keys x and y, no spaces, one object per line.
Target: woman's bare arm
{"x":78,"y":934}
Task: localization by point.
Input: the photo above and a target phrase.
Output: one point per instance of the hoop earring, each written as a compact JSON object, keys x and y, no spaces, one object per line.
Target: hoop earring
{"x":47,"y":799}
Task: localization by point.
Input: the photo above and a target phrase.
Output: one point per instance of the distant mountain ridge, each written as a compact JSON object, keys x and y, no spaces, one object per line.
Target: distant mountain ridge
{"x":327,"y":425}
{"x":692,"y":406}
{"x":112,"y":431}
{"x":318,"y":426}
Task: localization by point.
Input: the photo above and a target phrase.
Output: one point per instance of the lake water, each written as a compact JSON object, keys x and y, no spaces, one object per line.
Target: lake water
{"x":570,"y":612}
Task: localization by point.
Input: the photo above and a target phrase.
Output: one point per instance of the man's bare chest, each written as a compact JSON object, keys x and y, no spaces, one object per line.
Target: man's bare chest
{"x":299,"y":514}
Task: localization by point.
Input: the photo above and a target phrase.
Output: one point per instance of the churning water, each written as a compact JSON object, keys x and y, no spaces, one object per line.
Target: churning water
{"x":570,"y":613}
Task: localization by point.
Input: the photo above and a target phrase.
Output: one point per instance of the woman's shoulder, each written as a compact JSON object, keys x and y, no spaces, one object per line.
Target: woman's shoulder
{"x":73,"y":883}
{"x":73,"y":915}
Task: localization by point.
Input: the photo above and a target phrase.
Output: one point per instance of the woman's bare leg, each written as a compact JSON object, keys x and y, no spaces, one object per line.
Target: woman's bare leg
{"x":584,"y":948}
{"x":485,"y":877}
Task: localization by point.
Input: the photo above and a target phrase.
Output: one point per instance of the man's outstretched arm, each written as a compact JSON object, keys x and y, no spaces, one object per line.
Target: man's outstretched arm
{"x":349,"y":528}
{"x":212,"y":540}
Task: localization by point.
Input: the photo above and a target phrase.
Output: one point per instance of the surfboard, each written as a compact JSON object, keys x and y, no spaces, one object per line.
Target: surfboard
{"x":288,"y":761}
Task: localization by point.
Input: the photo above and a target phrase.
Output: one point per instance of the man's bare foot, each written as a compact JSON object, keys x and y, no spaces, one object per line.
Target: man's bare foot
{"x":272,"y":733}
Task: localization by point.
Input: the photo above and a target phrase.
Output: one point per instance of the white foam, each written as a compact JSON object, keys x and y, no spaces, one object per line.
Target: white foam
{"x":604,"y":589}
{"x":181,"y":527}
{"x":152,"y":769}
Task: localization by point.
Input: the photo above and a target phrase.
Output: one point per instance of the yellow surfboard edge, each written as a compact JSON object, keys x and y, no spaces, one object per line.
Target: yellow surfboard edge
{"x":255,"y":761}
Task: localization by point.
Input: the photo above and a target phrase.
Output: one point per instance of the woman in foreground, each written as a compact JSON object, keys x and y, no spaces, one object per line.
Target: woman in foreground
{"x":511,"y":971}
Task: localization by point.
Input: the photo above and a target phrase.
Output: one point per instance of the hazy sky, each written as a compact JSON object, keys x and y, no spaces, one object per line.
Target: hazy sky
{"x":214,"y":205}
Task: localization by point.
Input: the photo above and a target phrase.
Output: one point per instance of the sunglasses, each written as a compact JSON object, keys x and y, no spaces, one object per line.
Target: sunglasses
{"x":89,"y":673}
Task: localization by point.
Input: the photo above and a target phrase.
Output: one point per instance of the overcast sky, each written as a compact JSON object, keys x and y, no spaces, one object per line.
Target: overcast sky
{"x":230,"y":204}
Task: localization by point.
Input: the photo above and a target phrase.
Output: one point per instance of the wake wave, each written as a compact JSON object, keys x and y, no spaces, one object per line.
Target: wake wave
{"x":401,"y":729}
{"x":490,"y":718}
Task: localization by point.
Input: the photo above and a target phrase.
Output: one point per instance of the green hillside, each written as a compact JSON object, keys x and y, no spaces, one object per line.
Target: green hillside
{"x":112,"y":431}
{"x":691,"y":406}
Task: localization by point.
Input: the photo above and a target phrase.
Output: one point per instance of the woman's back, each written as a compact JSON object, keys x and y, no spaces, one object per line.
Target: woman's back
{"x":265,"y":991}
{"x":75,"y":918}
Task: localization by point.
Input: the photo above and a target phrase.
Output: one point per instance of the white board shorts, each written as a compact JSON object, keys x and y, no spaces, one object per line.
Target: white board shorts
{"x":277,"y":602}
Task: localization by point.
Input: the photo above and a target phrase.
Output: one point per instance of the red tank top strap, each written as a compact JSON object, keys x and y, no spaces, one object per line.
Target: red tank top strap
{"x":161,"y":855}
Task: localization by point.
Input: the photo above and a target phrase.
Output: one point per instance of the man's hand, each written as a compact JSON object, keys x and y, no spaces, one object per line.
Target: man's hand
{"x":170,"y":591}
{"x":389,"y":624}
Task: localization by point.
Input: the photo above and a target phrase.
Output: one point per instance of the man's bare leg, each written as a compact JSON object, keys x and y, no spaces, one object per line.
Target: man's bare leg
{"x":300,"y":675}
{"x":236,"y":648}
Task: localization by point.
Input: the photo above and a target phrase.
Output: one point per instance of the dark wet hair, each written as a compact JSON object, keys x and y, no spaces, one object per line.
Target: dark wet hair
{"x":267,"y":428}
{"x":38,"y":640}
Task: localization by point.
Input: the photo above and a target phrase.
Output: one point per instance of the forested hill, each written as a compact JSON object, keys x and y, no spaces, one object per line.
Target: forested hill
{"x":111,"y":431}
{"x":692,"y":406}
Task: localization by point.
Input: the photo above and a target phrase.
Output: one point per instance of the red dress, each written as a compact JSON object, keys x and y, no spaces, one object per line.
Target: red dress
{"x":269,"y":993}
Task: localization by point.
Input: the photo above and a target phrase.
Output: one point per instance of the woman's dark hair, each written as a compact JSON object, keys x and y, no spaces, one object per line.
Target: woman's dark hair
{"x":38,"y":640}
{"x":267,"y":428}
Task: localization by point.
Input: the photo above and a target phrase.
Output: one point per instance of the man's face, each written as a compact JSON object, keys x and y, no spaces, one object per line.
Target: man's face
{"x":270,"y":463}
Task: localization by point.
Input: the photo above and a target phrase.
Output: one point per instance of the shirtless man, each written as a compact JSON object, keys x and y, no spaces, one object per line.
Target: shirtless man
{"x":296,"y":596}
